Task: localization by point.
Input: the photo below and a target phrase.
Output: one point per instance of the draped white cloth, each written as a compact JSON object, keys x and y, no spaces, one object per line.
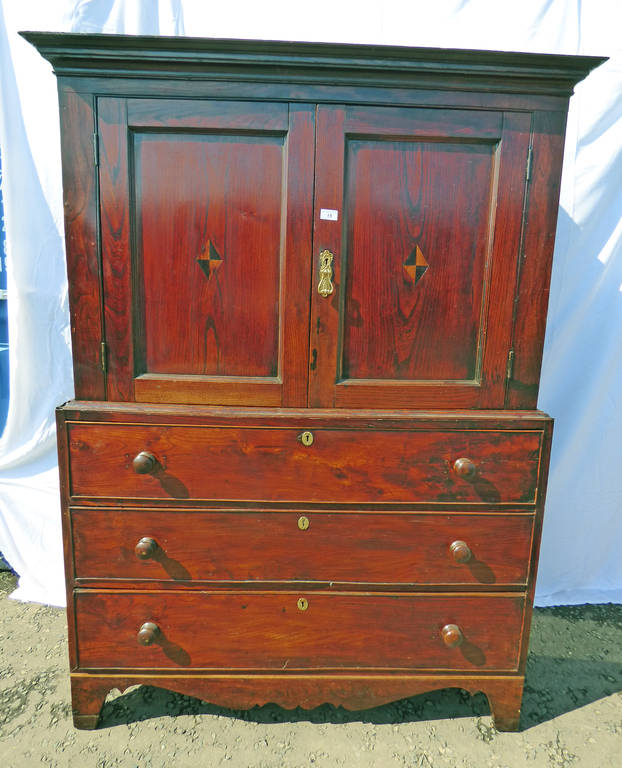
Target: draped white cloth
{"x":581,"y":377}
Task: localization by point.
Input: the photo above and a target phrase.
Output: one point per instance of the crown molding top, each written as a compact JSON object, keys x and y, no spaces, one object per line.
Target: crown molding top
{"x":266,"y":60}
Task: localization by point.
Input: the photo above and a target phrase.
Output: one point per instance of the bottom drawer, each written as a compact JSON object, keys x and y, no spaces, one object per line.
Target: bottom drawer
{"x":290,"y":630}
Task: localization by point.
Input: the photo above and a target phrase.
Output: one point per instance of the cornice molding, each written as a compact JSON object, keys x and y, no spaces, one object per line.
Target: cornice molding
{"x":298,"y":62}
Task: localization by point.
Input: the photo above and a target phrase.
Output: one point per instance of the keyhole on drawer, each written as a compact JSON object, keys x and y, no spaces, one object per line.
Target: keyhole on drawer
{"x":306,"y":438}
{"x":303,"y":523}
{"x":303,"y":604}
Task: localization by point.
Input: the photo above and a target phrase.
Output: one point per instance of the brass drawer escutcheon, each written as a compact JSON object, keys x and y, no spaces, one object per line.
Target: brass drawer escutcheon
{"x":306,"y":438}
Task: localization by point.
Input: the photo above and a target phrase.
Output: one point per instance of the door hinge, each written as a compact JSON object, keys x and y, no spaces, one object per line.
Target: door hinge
{"x":96,"y":148}
{"x":529,"y":163}
{"x":104,"y":356}
{"x":509,"y":371}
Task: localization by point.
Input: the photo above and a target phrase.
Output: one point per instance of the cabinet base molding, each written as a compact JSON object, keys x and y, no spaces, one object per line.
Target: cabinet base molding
{"x":353,"y":692}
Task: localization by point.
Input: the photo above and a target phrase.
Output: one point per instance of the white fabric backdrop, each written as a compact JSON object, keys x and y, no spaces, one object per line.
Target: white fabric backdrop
{"x":582,"y":376}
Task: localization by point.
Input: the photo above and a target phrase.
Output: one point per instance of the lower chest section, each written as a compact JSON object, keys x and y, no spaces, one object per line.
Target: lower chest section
{"x":302,"y":542}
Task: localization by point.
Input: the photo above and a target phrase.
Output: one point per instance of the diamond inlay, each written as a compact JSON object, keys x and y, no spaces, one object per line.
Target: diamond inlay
{"x":209,"y":260}
{"x":415,"y":265}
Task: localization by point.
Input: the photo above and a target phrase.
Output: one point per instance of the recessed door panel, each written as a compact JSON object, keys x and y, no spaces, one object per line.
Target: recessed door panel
{"x":417,"y":240}
{"x":206,"y":211}
{"x":209,"y":256}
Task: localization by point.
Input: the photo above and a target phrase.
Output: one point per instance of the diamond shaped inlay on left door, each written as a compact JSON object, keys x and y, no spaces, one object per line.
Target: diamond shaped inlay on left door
{"x":415,"y":265}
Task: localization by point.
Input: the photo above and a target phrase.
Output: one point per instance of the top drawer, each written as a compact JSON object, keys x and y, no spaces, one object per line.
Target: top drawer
{"x":284,"y":464}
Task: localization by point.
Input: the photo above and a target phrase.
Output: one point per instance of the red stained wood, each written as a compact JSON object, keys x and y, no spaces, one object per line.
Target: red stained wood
{"x":230,"y":180}
{"x":294,"y":330}
{"x":208,"y":115}
{"x":341,"y":418}
{"x":115,"y":247}
{"x":182,"y":61}
{"x":508,"y":225}
{"x":338,"y":93}
{"x":404,"y":195}
{"x":269,"y":632}
{"x":351,"y":691}
{"x":270,"y":546}
{"x":420,"y":514}
{"x":443,"y":182}
{"x":273,"y":465}
{"x":193,"y":191}
{"x":80,"y":200}
{"x":323,"y":344}
{"x":536,"y":256}
{"x":192,"y":389}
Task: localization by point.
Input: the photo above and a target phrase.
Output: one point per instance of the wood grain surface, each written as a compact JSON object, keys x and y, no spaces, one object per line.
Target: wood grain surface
{"x":265,"y":631}
{"x":271,"y":464}
{"x":195,"y":173}
{"x":80,"y":198}
{"x":348,"y":690}
{"x":206,"y":250}
{"x":227,"y":546}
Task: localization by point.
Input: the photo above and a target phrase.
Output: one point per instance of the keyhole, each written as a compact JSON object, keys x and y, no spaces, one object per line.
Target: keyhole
{"x":307,"y":438}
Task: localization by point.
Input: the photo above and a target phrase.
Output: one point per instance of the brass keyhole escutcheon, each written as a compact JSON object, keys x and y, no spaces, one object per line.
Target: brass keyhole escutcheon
{"x":303,"y":523}
{"x":302,"y":604}
{"x":325,"y":286}
{"x":306,"y":438}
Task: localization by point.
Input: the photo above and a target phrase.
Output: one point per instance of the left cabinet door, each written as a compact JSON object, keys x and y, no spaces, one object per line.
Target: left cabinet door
{"x":205,"y":216}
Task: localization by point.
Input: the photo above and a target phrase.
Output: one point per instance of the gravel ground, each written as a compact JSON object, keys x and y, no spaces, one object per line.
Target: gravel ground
{"x":572,"y":711}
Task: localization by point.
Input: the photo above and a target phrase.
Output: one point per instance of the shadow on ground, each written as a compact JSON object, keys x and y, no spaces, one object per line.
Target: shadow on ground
{"x":575,"y":659}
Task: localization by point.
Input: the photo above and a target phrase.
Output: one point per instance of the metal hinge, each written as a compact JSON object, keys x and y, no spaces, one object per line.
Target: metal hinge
{"x":96,"y":148}
{"x":509,"y":371}
{"x":104,"y":356}
{"x":529,"y":163}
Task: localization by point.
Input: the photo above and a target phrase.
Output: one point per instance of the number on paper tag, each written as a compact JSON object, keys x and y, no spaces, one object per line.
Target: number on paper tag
{"x":329,"y":214}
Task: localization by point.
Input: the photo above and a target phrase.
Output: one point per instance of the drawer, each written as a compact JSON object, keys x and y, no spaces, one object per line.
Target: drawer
{"x":397,"y":548}
{"x":269,"y":631}
{"x":273,"y":464}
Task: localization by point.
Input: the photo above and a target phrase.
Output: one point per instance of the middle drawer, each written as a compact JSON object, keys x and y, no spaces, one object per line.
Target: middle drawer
{"x":343,"y":547}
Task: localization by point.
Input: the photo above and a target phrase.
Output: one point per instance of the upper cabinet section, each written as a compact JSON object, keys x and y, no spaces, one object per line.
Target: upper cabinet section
{"x":292,"y":225}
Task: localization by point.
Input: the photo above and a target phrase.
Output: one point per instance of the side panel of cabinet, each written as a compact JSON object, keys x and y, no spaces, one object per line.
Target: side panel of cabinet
{"x":206,"y":229}
{"x":425,"y":255}
{"x":532,"y":294}
{"x":77,"y":119}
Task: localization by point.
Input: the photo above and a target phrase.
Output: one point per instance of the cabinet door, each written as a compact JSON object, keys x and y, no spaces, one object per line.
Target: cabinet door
{"x":415,"y":309}
{"x":206,"y":216}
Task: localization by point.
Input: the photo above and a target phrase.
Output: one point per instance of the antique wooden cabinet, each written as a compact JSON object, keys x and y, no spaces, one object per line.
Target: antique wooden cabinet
{"x":308,"y":292}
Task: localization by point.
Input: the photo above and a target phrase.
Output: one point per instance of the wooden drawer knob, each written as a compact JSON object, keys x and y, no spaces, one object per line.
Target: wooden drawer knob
{"x":146,"y":548}
{"x":464,"y":467}
{"x":148,"y":633}
{"x":460,"y":551}
{"x":145,"y":463}
{"x":452,"y":635}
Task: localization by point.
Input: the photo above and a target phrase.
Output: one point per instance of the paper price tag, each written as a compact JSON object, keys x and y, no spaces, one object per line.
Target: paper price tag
{"x":329,"y":214}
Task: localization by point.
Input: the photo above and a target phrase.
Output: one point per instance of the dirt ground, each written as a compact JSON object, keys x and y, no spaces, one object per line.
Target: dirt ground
{"x":572,"y":711}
